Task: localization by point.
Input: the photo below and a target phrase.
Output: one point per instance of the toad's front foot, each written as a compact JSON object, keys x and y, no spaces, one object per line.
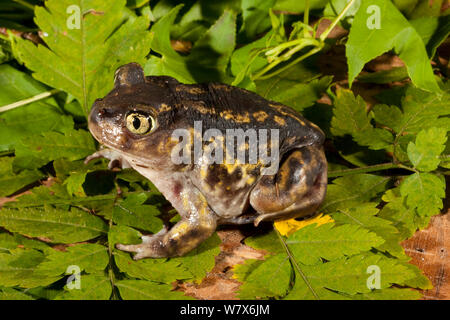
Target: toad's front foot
{"x":115,"y":159}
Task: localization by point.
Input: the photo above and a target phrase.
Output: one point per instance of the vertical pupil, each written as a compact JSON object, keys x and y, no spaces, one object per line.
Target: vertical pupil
{"x":136,"y":123}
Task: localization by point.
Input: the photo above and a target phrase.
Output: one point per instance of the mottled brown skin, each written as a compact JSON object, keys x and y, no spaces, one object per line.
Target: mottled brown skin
{"x":208,"y":195}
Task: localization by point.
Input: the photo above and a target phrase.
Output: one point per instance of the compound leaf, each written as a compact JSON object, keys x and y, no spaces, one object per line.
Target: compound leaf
{"x":330,"y":242}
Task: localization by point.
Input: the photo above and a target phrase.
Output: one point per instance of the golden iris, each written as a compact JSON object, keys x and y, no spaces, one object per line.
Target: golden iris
{"x":140,"y":124}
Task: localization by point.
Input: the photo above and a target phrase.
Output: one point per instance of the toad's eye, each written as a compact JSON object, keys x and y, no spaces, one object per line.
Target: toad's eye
{"x":140,"y":124}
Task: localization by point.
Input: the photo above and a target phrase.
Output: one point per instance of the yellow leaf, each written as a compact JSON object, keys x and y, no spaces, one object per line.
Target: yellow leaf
{"x":288,"y":227}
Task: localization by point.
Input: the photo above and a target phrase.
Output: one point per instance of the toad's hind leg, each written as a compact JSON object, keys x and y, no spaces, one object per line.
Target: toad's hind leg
{"x":197,"y":224}
{"x":296,"y":190}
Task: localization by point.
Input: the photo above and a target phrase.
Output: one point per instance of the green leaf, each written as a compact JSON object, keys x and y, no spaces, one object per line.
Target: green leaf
{"x":385,"y":76}
{"x":11,"y":182}
{"x":247,"y":60}
{"x":9,"y":242}
{"x":424,"y":153}
{"x":389,"y":294}
{"x":364,"y":215}
{"x":158,"y":270}
{"x":87,"y":256}
{"x":350,"y":117}
{"x":57,"y":195}
{"x":424,"y":191}
{"x":136,"y":3}
{"x":296,"y":87}
{"x":211,"y":53}
{"x":345,"y":278}
{"x":419,"y":110}
{"x":5,"y":48}
{"x":357,"y":155}
{"x":34,"y":118}
{"x":132,"y":212}
{"x":18,"y":269}
{"x":74,"y":183}
{"x":425,"y":27}
{"x":420,"y":281}
{"x":350,"y":190}
{"x":148,"y":290}
{"x":149,"y":269}
{"x":268,"y":241}
{"x":192,"y":25}
{"x":256,"y":17}
{"x":171,"y":63}
{"x":330,"y":242}
{"x":335,"y":7}
{"x":348,"y":278}
{"x":404,"y":218}
{"x":292,"y":92}
{"x":73,"y":174}
{"x":92,"y":287}
{"x":394,"y":32}
{"x":58,"y":226}
{"x":263,"y":279}
{"x":350,"y":114}
{"x":424,"y":8}
{"x":13,"y":294}
{"x":300,"y":291}
{"x":388,"y":116}
{"x":208,"y":58}
{"x":296,"y":7}
{"x":201,"y":260}
{"x":81,"y":59}
{"x":36,"y":151}
{"x":351,"y":275}
{"x":442,"y":32}
{"x":123,"y":234}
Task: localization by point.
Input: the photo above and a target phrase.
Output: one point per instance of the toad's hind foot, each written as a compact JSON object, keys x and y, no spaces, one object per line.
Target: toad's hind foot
{"x":139,"y":249}
{"x":182,"y":238}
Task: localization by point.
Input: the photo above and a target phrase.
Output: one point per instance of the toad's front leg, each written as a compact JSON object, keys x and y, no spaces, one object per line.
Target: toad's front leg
{"x":198,"y":224}
{"x":116,"y":160}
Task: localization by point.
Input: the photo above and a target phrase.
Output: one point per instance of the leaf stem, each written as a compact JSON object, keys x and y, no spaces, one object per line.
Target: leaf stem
{"x":306,"y":18}
{"x":25,"y":4}
{"x":376,"y":167}
{"x":303,"y":57}
{"x":35,"y":98}
{"x":296,"y":266}
{"x":324,"y":34}
{"x":286,"y":56}
{"x":111,"y":275}
{"x":6,"y":153}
